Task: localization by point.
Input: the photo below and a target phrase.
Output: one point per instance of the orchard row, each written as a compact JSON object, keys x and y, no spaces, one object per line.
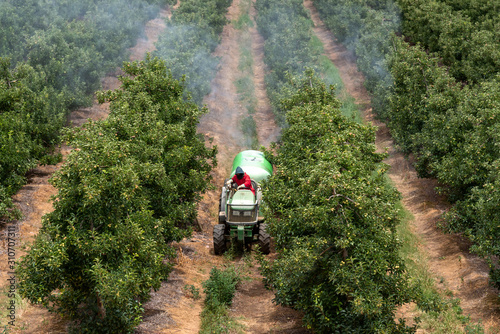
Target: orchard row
{"x":328,"y":206}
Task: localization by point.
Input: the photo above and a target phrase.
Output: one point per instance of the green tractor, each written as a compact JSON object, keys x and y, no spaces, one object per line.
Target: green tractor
{"x":240,"y":219}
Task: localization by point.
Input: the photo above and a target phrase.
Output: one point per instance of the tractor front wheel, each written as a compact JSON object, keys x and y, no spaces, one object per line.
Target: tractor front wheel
{"x":264,"y":240}
{"x":219,"y":239}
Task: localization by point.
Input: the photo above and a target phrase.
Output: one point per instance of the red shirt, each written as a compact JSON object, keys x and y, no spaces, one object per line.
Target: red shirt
{"x":245,"y":180}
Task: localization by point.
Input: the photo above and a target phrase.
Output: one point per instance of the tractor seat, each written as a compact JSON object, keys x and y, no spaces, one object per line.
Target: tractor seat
{"x":254,"y":185}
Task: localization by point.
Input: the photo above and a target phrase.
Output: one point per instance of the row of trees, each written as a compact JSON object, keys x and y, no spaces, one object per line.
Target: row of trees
{"x":328,"y":206}
{"x":440,"y":99}
{"x":126,"y":191}
{"x":333,"y":217}
{"x":456,"y":111}
{"x":53,"y":55}
{"x":288,"y":49}
{"x":192,"y":34}
{"x":288,"y":53}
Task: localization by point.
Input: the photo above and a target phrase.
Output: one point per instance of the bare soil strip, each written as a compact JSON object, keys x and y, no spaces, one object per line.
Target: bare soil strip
{"x":267,"y":130}
{"x":223,"y":122}
{"x":34,"y":199}
{"x":465,"y":274}
{"x":252,"y":304}
{"x":170,"y":309}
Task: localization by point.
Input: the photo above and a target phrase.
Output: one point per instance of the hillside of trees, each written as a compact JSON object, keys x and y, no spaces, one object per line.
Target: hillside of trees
{"x":130,"y":186}
{"x":52,"y":57}
{"x":433,"y":67}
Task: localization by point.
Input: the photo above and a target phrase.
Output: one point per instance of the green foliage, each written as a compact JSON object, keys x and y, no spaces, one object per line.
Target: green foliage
{"x":51,"y":65}
{"x":458,"y":146}
{"x":221,"y":286}
{"x":366,"y":28}
{"x":333,"y":217}
{"x":218,"y":320}
{"x":7,"y":209}
{"x":244,"y":21}
{"x":455,"y":139}
{"x":126,"y":191}
{"x":477,"y":216}
{"x":191,"y":36}
{"x":464,"y":34}
{"x":26,"y":126}
{"x":452,"y":130}
{"x":422,"y":90}
{"x":192,"y":291}
{"x":324,"y":243}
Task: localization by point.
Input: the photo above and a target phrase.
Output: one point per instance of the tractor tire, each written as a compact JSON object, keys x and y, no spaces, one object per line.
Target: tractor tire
{"x":264,"y":241}
{"x":219,"y":239}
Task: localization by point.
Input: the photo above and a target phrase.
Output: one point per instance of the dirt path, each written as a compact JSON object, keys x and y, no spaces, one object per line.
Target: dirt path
{"x":466,"y":275}
{"x":34,"y":198}
{"x":252,"y":304}
{"x":223,"y":122}
{"x":170,"y":309}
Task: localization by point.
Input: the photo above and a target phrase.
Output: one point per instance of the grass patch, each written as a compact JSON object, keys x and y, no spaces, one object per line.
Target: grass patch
{"x":244,"y":84}
{"x":246,"y":58}
{"x":330,"y":73}
{"x":245,"y":88}
{"x":249,"y":128}
{"x":316,"y":45}
{"x":219,"y":290}
{"x":244,"y":21}
{"x":217,"y":320}
{"x":7,"y":300}
{"x":331,"y":76}
{"x":349,"y":108}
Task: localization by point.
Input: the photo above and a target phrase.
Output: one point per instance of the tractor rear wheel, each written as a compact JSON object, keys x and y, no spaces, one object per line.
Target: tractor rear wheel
{"x":219,"y":239}
{"x":264,"y":240}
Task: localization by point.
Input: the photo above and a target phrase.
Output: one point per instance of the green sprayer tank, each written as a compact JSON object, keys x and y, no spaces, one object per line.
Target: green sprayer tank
{"x":254,"y":164}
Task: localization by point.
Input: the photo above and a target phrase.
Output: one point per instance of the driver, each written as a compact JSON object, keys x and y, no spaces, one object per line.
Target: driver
{"x":242,"y":180}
